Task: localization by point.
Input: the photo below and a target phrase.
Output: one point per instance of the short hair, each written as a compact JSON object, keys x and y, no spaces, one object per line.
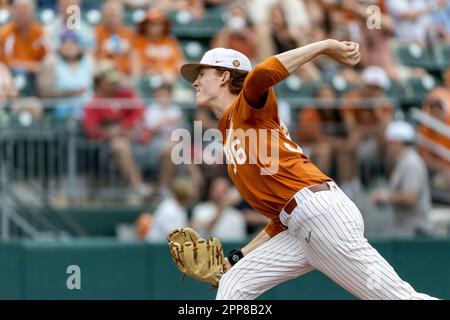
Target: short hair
{"x":237,"y":78}
{"x":182,"y":189}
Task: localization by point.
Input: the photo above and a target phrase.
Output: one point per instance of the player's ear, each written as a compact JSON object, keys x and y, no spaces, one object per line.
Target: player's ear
{"x":225,"y":77}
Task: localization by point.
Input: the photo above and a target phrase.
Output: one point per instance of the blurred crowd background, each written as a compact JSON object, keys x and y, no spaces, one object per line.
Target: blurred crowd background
{"x":90,"y":94}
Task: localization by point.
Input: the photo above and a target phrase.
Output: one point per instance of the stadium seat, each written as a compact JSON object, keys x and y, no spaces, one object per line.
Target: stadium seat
{"x":396,"y":92}
{"x":25,"y":83}
{"x":5,"y":16}
{"x":193,"y":50}
{"x":340,"y":84}
{"x":92,"y":16}
{"x":45,"y":16}
{"x":41,"y":4}
{"x":417,"y":88}
{"x":184,"y":26}
{"x":294,"y":90}
{"x":444,"y":55}
{"x":415,"y":55}
{"x":147,"y":84}
{"x":92,"y":4}
{"x":132,"y":17}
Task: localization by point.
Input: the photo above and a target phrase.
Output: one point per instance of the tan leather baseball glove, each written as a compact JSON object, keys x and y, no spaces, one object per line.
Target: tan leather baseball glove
{"x":196,"y":257}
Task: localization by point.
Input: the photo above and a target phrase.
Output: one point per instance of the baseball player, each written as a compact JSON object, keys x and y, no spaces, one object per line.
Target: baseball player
{"x":314,"y":225}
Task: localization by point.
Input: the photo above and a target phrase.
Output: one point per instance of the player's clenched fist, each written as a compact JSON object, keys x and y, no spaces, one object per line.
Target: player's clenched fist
{"x":344,"y":52}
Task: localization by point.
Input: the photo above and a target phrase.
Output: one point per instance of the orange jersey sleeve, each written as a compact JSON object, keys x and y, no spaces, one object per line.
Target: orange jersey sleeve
{"x":262,"y":77}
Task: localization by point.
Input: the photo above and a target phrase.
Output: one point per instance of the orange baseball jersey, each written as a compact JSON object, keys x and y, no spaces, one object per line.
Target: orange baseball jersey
{"x":115,"y":46}
{"x":265,"y":165}
{"x":27,"y":47}
{"x":162,"y":55}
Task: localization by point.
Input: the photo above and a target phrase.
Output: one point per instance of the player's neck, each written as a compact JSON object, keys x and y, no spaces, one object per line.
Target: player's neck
{"x":222,"y":102}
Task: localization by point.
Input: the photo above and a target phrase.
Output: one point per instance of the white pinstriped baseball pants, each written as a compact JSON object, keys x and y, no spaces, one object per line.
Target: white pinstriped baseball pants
{"x":325,"y":232}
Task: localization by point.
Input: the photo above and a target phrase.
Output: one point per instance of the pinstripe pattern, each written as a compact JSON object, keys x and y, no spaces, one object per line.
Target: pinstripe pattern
{"x":280,"y":259}
{"x":325,"y":231}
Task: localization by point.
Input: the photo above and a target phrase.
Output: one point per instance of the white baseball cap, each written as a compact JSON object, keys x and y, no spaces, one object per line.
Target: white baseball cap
{"x":376,"y":76}
{"x":399,"y":131}
{"x":217,"y":57}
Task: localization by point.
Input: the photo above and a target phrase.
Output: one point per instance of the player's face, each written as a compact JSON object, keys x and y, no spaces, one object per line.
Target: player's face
{"x":394,"y":149}
{"x":206,"y":86}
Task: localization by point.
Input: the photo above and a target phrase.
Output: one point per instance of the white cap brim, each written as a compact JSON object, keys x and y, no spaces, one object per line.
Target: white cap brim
{"x":189,"y":71}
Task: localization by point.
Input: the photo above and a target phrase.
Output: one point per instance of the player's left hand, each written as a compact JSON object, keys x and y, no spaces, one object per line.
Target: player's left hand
{"x":196,"y":257}
{"x":343,"y":52}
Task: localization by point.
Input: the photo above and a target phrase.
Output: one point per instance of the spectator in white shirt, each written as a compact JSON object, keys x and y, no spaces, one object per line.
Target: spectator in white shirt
{"x":161,"y":118}
{"x":408,"y":192}
{"x":169,"y":215}
{"x":217,"y":217}
{"x":413,"y":17}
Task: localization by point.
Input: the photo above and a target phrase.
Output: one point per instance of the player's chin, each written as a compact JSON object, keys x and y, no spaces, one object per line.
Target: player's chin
{"x":201,"y":103}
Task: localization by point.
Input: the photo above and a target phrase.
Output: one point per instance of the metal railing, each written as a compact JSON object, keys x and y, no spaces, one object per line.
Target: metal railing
{"x":49,"y":162}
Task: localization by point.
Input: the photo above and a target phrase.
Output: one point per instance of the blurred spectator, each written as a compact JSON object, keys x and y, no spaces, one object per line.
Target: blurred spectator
{"x":413,"y":18}
{"x":5,"y":3}
{"x":316,"y":17}
{"x":327,"y":21}
{"x":216,"y":217}
{"x":442,"y":92}
{"x":114,"y":41}
{"x":339,"y":20}
{"x":297,"y":13}
{"x":441,"y":22}
{"x":446,"y":75}
{"x":435,"y":146}
{"x":211,"y":166}
{"x":408,"y":191}
{"x":254,"y":220}
{"x":67,"y":19}
{"x":137,"y":4}
{"x":28,"y":108}
{"x":375,"y":42}
{"x":366,"y":112}
{"x":321,"y":131}
{"x":194,"y":9}
{"x":159,"y":52}
{"x":115,"y":116}
{"x":282,"y":37}
{"x":214,"y":3}
{"x":238,"y":33}
{"x":67,"y":73}
{"x":7,"y":87}
{"x":22,"y":45}
{"x":162,"y":117}
{"x":274,"y":36}
{"x":169,"y":215}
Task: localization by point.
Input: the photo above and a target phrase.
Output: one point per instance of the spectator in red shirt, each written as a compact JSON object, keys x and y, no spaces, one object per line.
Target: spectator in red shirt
{"x":115,"y":116}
